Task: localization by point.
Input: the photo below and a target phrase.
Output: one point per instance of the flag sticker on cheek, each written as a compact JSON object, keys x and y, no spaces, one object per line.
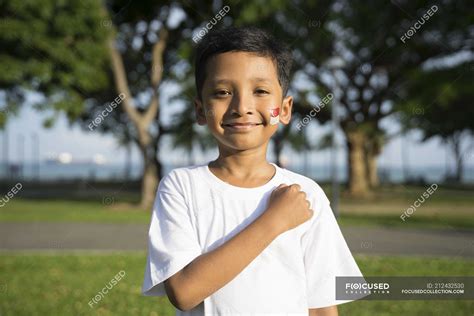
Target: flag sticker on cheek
{"x":274,"y":116}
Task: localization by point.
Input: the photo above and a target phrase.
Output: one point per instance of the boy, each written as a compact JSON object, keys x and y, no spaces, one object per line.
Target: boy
{"x":241,"y":236}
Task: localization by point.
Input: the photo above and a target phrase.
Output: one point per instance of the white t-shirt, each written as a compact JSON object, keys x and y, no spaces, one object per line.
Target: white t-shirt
{"x":196,"y":212}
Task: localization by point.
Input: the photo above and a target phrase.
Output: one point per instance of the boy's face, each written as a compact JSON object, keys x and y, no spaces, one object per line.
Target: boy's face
{"x":240,"y":96}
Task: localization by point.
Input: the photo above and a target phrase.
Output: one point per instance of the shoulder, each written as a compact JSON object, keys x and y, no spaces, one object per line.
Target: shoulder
{"x":319,"y":202}
{"x":179,"y":179}
{"x":308,"y":185}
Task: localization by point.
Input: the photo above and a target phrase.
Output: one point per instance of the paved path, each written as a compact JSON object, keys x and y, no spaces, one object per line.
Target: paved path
{"x":395,"y":241}
{"x":107,"y":237}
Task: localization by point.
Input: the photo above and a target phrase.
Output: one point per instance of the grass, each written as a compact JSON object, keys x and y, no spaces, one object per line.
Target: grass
{"x":40,"y":210}
{"x":447,"y":208}
{"x":411,"y":266}
{"x":63,"y":284}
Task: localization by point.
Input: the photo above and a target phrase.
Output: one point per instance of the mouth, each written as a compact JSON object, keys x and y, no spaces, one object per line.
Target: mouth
{"x":241,"y":126}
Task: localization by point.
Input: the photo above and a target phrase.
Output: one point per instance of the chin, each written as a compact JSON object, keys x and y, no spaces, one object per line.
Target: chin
{"x":242,"y":144}
{"x":240,"y":141}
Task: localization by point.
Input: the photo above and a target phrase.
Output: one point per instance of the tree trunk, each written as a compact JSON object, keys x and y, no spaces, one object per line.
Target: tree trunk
{"x":151,"y":176}
{"x":456,"y":148}
{"x":459,"y":170}
{"x":152,"y":167}
{"x":372,"y":171}
{"x":357,"y":167}
{"x":128,"y":162}
{"x":373,"y":150}
{"x":277,"y":148}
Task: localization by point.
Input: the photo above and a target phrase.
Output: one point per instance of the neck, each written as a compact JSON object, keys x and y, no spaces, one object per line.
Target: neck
{"x":242,"y":163}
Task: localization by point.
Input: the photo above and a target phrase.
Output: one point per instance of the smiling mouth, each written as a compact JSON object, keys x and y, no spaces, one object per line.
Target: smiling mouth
{"x":241,"y":126}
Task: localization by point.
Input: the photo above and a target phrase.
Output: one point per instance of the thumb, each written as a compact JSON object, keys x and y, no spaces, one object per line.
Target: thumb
{"x":282,"y":185}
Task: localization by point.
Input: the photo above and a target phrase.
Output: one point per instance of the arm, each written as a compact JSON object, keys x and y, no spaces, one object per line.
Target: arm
{"x":325,"y":311}
{"x":211,"y":271}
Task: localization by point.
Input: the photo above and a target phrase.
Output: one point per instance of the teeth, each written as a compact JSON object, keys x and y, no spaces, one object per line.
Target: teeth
{"x":242,"y":124}
{"x":236,"y":125}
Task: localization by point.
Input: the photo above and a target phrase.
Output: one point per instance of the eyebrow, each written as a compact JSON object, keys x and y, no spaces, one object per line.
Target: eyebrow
{"x":258,"y":79}
{"x":218,"y":81}
{"x":255,"y":79}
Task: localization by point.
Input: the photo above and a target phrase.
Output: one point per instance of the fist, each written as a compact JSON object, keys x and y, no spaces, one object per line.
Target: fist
{"x":288,"y":207}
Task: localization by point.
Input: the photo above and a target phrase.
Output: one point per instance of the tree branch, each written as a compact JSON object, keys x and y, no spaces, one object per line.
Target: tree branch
{"x":156,"y":75}
{"x":121,"y":82}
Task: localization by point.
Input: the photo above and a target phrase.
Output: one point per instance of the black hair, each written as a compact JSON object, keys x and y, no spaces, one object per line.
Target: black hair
{"x":242,"y":39}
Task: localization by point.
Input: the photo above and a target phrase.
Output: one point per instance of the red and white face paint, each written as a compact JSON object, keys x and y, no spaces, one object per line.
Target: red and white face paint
{"x":274,"y":116}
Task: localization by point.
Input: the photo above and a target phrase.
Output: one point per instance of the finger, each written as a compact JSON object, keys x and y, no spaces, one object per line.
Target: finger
{"x":277,"y":188}
{"x":303,"y":194}
{"x":296,"y":186}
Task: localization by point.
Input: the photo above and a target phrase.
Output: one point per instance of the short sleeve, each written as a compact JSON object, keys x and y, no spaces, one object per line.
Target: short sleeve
{"x":172,"y":241}
{"x":326,"y":255}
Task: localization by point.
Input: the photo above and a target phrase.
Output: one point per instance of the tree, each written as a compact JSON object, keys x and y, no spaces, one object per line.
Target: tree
{"x":370,"y":39}
{"x":148,"y":45}
{"x":72,"y":49}
{"x":54,"y":48}
{"x":442,"y":106}
{"x":143,"y":118}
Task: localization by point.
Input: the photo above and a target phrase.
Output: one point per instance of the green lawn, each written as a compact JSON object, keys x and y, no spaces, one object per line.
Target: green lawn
{"x":445,"y":208}
{"x":63,"y":284}
{"x":39,"y":210}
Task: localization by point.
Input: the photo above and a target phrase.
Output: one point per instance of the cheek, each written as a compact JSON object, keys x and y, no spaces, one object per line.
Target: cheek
{"x":274,"y":116}
{"x":209,"y":113}
{"x":214,"y":116}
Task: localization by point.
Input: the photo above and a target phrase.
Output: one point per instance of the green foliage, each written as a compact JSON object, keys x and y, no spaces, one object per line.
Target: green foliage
{"x":56,"y":48}
{"x":441,"y":101}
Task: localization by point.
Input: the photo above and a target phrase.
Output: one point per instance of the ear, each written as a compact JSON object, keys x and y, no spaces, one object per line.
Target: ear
{"x":286,"y":108}
{"x":200,"y":112}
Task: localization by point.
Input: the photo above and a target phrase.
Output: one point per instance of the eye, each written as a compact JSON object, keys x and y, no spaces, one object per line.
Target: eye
{"x":262,"y":91}
{"x":221,"y":93}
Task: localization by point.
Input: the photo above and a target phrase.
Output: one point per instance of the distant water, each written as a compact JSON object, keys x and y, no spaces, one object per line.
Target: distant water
{"x":90,"y":171}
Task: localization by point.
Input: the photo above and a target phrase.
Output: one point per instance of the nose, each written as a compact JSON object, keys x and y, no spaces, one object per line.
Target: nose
{"x":242,"y":104}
